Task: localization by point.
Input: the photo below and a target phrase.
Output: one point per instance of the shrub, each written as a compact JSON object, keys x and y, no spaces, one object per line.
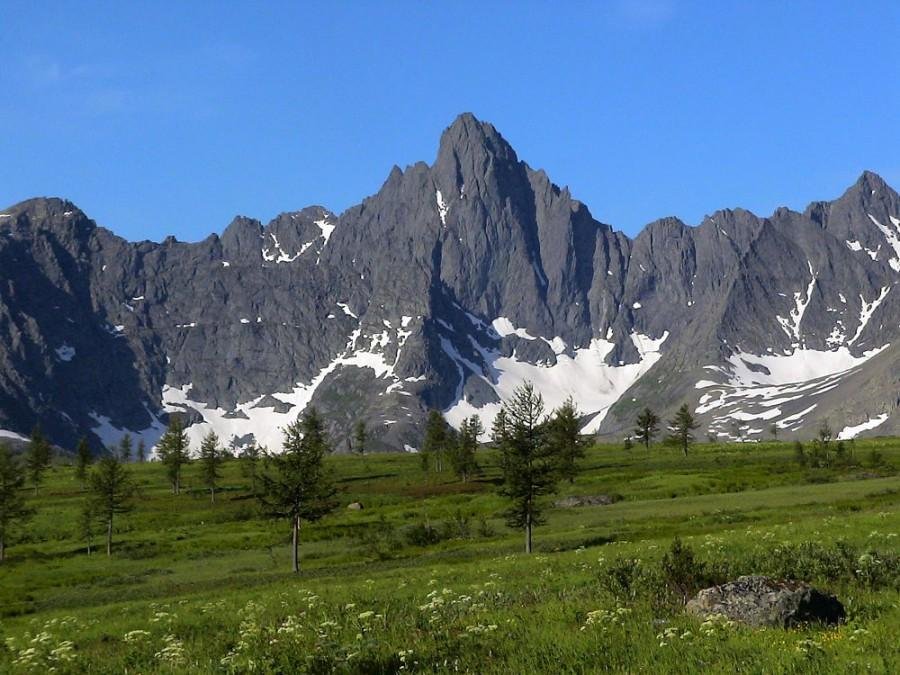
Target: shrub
{"x":421,"y":534}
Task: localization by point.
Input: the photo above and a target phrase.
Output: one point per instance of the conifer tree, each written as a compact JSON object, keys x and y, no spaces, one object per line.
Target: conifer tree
{"x":173,"y":451}
{"x":437,"y":443}
{"x":527,"y":461}
{"x":250,"y":465}
{"x":360,"y":438}
{"x":38,"y":458}
{"x":141,"y":451}
{"x":14,"y":512}
{"x":681,"y":429}
{"x":298,"y":488}
{"x":498,"y":429}
{"x":462,"y":456}
{"x":565,"y":441}
{"x":210,"y":461}
{"x":112,"y":491}
{"x":646,"y":427}
{"x":83,"y":459}
{"x":87,"y":521}
{"x":125,"y":448}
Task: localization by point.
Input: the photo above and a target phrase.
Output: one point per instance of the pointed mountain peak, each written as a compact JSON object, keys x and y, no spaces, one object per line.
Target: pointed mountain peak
{"x":468,"y":136}
{"x":869,"y":184}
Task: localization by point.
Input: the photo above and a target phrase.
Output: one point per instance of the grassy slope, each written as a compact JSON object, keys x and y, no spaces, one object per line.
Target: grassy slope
{"x":208,"y":580}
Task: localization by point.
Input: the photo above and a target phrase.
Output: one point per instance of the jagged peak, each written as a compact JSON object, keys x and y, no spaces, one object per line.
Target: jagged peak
{"x":469,"y":136}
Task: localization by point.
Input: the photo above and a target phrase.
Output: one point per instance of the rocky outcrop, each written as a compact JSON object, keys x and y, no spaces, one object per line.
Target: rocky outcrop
{"x":760,"y":601}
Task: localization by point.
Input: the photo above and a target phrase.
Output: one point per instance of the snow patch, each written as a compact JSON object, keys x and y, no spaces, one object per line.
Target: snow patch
{"x":443,"y":207}
{"x":65,"y":352}
{"x":853,"y":431}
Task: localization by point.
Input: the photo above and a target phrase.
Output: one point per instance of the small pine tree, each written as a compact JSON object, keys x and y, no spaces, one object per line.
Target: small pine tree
{"x":646,"y":427}
{"x":462,"y":456}
{"x":250,"y":465}
{"x":300,"y":489}
{"x":210,"y":461}
{"x":799,"y":453}
{"x":83,"y":459}
{"x":565,"y":441}
{"x":125,"y":448}
{"x":14,"y":512}
{"x":360,"y":438}
{"x":681,"y":429}
{"x":141,"y":451}
{"x":628,"y":444}
{"x":112,"y":491}
{"x":773,"y":431}
{"x":173,"y":451}
{"x":825,"y":434}
{"x":87,"y":523}
{"x":498,"y":429}
{"x":38,"y":458}
{"x":527,"y":463}
{"x":438,"y":441}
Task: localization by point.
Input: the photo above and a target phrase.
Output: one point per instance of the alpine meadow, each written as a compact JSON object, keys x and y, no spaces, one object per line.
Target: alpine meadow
{"x":304,"y":368}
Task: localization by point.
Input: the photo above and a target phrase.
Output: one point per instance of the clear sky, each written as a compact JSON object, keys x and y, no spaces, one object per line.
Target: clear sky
{"x":171,"y":117}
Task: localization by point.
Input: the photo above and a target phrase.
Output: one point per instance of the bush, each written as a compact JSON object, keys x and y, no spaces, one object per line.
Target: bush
{"x":421,"y":534}
{"x":682,"y":573}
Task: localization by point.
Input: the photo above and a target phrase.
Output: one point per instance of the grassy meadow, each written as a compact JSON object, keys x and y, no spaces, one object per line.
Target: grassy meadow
{"x":427,"y":578}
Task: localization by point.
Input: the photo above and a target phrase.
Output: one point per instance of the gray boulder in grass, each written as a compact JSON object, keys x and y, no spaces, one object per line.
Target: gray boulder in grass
{"x":761,"y":601}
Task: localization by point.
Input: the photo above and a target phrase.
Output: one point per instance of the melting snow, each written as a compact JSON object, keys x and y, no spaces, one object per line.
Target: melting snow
{"x":853,"y":431}
{"x":868,"y":309}
{"x":278,"y":256}
{"x":344,"y":306}
{"x":110,"y":435}
{"x":854,"y":245}
{"x":594,"y":384}
{"x":892,"y":238}
{"x":791,"y":325}
{"x":443,"y":208}
{"x":4,"y":433}
{"x":326,"y":229}
{"x":65,"y":352}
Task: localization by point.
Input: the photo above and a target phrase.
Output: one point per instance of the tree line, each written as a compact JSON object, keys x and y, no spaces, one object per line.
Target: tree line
{"x":538,"y":449}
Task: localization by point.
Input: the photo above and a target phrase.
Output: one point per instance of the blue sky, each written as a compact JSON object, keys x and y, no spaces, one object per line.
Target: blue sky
{"x":162,"y":118}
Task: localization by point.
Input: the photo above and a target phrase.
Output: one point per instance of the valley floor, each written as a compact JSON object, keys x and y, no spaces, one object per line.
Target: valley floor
{"x":427,"y":578}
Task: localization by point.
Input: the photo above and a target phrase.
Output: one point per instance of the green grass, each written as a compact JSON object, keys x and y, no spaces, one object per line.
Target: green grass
{"x":210,"y":583}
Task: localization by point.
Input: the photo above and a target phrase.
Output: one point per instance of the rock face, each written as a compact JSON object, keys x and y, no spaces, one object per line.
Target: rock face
{"x":760,"y":601}
{"x":454,"y":283}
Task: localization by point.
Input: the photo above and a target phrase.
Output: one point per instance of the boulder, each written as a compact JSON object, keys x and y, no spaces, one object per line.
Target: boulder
{"x":355,"y":506}
{"x":587,"y":500}
{"x":761,"y":601}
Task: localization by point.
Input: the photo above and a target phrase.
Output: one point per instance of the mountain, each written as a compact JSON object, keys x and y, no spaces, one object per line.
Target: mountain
{"x":446,"y":289}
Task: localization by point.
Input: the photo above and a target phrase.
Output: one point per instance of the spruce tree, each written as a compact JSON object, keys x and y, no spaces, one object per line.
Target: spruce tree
{"x":498,"y":429}
{"x":360,"y":438}
{"x":681,"y":428}
{"x":173,"y":451}
{"x":141,"y":451}
{"x":646,"y":427}
{"x":14,"y":512}
{"x":210,"y":461}
{"x":38,"y":458}
{"x":83,"y":459}
{"x":437,"y":443}
{"x":112,"y":491}
{"x":299,"y":489}
{"x":250,"y":465}
{"x":565,"y":441}
{"x":462,"y":455}
{"x":125,"y":448}
{"x":527,"y":460}
{"x":87,"y":523}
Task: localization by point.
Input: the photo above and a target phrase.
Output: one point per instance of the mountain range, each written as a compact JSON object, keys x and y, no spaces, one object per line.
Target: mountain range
{"x":452,"y":285}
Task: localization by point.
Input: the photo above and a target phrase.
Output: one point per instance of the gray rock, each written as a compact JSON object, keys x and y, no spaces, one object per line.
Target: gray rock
{"x":588,"y":500}
{"x":386,"y":310}
{"x":760,"y":601}
{"x":355,"y":506}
